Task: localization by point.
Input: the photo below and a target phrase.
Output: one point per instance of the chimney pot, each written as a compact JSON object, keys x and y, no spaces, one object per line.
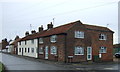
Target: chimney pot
{"x":27,"y":33}
{"x":40,"y":28}
{"x":49,"y":26}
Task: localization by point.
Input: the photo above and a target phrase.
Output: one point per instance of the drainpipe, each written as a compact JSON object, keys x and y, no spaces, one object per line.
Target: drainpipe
{"x":38,"y":48}
{"x":65,"y":48}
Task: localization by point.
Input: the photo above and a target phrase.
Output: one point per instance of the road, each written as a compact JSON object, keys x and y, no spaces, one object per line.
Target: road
{"x":16,"y":63}
{"x":12,"y":62}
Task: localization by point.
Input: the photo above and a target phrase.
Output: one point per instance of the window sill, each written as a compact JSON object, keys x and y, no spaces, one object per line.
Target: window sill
{"x":79,"y":54}
{"x":102,"y":39}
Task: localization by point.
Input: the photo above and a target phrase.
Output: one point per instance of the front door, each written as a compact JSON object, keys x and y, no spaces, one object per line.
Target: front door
{"x":22,"y":51}
{"x":46,"y":52}
{"x":89,"y":53}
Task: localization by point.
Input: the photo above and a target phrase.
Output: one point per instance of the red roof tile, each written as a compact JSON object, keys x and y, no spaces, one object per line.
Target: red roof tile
{"x":61,"y":29}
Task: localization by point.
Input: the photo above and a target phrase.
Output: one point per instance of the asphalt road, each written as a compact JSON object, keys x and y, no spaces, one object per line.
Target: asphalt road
{"x":16,"y":63}
{"x":12,"y":62}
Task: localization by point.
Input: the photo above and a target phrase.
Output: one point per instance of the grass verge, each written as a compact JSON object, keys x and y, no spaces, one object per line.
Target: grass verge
{"x":1,"y":67}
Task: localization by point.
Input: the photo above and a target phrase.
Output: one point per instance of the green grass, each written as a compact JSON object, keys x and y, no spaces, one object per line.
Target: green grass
{"x":1,"y":67}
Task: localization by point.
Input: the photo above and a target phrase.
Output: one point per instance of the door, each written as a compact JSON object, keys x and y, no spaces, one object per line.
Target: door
{"x":89,"y":53}
{"x":46,"y":52}
{"x":22,"y":51}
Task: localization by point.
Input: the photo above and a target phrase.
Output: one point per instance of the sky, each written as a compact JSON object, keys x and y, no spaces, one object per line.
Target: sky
{"x":16,"y":16}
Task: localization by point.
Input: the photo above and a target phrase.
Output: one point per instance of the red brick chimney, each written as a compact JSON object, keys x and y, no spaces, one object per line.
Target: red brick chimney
{"x":33,"y":31}
{"x":27,"y":33}
{"x":49,"y":26}
{"x":40,"y":28}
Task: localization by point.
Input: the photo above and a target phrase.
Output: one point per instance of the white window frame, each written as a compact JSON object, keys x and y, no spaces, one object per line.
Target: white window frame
{"x":102,"y":35}
{"x":41,"y":50}
{"x":53,"y":48}
{"x":103,"y":49}
{"x":40,"y":40}
{"x":53,"y":38}
{"x":32,"y":50}
{"x":32,"y":41}
{"x":79,"y":48}
{"x":79,"y":34}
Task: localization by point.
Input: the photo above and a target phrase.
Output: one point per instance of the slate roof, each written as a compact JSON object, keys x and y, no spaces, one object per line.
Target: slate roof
{"x":62,"y":29}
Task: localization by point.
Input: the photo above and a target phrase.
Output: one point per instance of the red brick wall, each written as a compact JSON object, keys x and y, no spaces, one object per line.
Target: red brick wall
{"x":60,"y":44}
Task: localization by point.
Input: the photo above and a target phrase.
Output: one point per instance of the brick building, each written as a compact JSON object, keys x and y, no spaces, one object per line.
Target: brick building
{"x":72,"y":42}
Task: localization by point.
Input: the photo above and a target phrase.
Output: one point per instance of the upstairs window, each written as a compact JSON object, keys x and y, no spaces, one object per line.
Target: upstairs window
{"x":25,"y":42}
{"x":41,"y":50}
{"x":41,"y":40}
{"x":79,"y":50}
{"x":53,"y":38}
{"x":32,"y":41}
{"x":79,"y":34}
{"x":20,"y":43}
{"x":103,"y":50}
{"x":102,"y":37}
{"x":53,"y":50}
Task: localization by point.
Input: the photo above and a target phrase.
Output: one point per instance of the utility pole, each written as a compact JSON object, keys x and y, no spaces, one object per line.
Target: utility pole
{"x":107,"y":25}
{"x":30,"y":27}
{"x":53,"y":20}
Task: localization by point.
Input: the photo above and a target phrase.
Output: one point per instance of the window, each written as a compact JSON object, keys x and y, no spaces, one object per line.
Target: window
{"x":19,"y":43}
{"x":32,"y":50}
{"x":79,"y":51}
{"x":103,"y":50}
{"x":25,"y":50}
{"x":19,"y":49}
{"x":25,"y":42}
{"x":102,"y":37}
{"x":41,"y":50}
{"x":28,"y":50}
{"x":53,"y":38}
{"x":53,"y":50}
{"x":40,"y":40}
{"x":32,"y":41}
{"x":79,"y":34}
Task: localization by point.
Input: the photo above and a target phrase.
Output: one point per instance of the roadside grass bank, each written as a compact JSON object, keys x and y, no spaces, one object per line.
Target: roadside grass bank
{"x":2,"y":68}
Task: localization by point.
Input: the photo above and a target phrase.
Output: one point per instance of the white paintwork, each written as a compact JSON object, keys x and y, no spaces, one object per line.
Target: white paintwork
{"x":46,"y":52}
{"x":89,"y":53}
{"x":29,"y":45}
{"x":11,"y":49}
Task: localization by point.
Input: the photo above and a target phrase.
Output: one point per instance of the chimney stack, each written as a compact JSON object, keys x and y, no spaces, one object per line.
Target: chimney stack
{"x":27,"y":33}
{"x":40,"y":28}
{"x":33,"y":31}
{"x":49,"y":26}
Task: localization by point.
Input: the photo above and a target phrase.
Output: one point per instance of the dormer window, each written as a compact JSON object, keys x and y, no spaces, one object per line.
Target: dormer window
{"x":41,"y":40}
{"x":102,"y":37}
{"x":79,"y":34}
{"x":53,"y":38}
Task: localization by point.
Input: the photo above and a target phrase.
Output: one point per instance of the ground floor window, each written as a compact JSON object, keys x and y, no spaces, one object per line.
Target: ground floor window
{"x":79,"y":50}
{"x":103,"y":50}
{"x":32,"y":50}
{"x":19,"y":49}
{"x":53,"y":50}
{"x":25,"y":50}
{"x":41,"y":50}
{"x":28,"y":50}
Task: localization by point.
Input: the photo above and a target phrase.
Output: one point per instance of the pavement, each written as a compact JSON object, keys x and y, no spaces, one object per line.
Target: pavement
{"x":15,"y":62}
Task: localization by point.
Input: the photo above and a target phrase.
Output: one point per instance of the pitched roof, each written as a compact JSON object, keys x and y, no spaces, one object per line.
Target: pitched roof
{"x":61,"y":29}
{"x":14,"y":42}
{"x":94,"y":27}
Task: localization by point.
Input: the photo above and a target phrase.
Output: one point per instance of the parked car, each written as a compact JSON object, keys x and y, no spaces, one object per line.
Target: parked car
{"x":117,"y":55}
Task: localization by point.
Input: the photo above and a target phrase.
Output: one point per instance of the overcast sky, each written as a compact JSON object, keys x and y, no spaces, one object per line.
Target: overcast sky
{"x":17,"y":15}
